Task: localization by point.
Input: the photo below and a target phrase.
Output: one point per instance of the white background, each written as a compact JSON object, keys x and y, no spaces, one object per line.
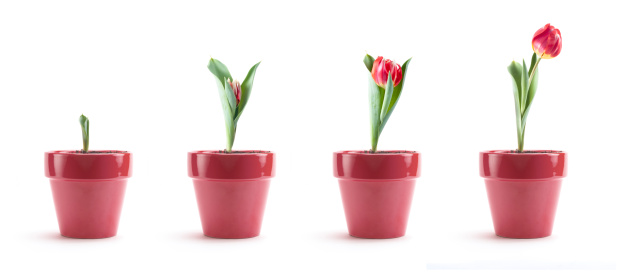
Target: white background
{"x":138,"y":70}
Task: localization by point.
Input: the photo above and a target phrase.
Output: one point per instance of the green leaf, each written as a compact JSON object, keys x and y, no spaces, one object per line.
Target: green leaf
{"x":516,"y":73}
{"x":532,"y":90}
{"x":246,"y":88}
{"x":84,"y":123}
{"x":524,"y":85}
{"x":219,"y":70}
{"x":387,"y":98}
{"x":375,"y":103}
{"x":228,"y":116}
{"x":230,"y":96}
{"x":396,"y":94}
{"x":515,"y":69}
{"x":533,"y":61}
{"x":368,"y":62}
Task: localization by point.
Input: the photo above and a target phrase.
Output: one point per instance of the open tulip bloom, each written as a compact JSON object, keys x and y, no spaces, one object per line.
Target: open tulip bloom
{"x":386,"y":80}
{"x":233,"y":95}
{"x":547,"y":44}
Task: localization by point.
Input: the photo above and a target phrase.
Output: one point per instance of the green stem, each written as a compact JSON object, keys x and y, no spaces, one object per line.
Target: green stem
{"x":230,"y":137}
{"x":374,"y":139}
{"x":521,"y":141}
{"x":532,"y":73}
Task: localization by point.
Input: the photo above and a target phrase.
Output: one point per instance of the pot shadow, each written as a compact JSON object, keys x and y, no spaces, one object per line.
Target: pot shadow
{"x":197,"y":236}
{"x":344,"y":236}
{"x":57,"y":237}
{"x":492,"y":237}
{"x":51,"y":236}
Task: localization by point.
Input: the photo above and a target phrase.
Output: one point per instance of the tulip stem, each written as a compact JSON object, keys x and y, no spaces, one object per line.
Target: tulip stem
{"x":532,"y":73}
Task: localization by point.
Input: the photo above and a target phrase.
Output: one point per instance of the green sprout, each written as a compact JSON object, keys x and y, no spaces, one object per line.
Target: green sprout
{"x":234,"y":99}
{"x":84,"y":124}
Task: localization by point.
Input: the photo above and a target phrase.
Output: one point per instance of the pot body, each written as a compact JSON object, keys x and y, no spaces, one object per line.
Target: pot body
{"x":376,"y":190}
{"x":231,"y":191}
{"x":88,"y":191}
{"x":523,"y":190}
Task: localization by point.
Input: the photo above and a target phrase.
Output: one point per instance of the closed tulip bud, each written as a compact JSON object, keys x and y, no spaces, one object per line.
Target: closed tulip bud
{"x":381,"y":68}
{"x":236,"y":89}
{"x":547,"y":42}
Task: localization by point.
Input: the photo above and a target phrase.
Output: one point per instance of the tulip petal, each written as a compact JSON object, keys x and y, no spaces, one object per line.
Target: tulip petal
{"x":379,"y":72}
{"x":547,"y":42}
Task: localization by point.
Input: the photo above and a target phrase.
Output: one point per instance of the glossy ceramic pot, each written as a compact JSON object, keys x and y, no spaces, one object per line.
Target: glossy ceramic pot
{"x":376,"y":190}
{"x":88,"y":191}
{"x":231,"y":191}
{"x":523,"y":190}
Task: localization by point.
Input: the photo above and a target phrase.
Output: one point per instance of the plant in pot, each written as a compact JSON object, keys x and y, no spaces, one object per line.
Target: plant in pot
{"x":377,"y":186}
{"x":88,"y":187}
{"x":231,"y":186}
{"x":523,"y":186}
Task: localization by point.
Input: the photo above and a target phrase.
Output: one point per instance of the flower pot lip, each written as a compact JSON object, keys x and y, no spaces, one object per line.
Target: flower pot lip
{"x":89,"y":153}
{"x":384,"y":166}
{"x":74,"y":165}
{"x":526,"y":153}
{"x":534,"y":166}
{"x":233,"y":153}
{"x":379,"y":153}
{"x":240,"y":165}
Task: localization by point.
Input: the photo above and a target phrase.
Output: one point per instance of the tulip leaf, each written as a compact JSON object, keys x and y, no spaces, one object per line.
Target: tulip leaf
{"x":396,"y":94}
{"x":375,"y":103}
{"x":516,"y":73}
{"x":230,"y":96}
{"x":84,"y":123}
{"x":387,"y":98}
{"x":219,"y":70}
{"x":228,"y":115}
{"x":246,"y":88}
{"x":533,"y":61}
{"x":524,"y":85}
{"x":532,"y":89}
{"x":368,"y":62}
{"x":531,"y":95}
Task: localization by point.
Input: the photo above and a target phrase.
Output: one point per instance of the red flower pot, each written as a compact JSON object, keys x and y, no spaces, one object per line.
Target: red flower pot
{"x":231,"y":191}
{"x":523,"y":190}
{"x":377,"y":190}
{"x":88,"y":190}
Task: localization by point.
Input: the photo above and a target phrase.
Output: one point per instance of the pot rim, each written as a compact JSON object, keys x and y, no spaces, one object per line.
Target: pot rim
{"x":72,"y":165}
{"x":382,"y":153}
{"x":528,"y":153}
{"x":508,"y":165}
{"x":361,"y":165}
{"x":219,"y":165}
{"x":234,"y":153}
{"x":76,"y":153}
